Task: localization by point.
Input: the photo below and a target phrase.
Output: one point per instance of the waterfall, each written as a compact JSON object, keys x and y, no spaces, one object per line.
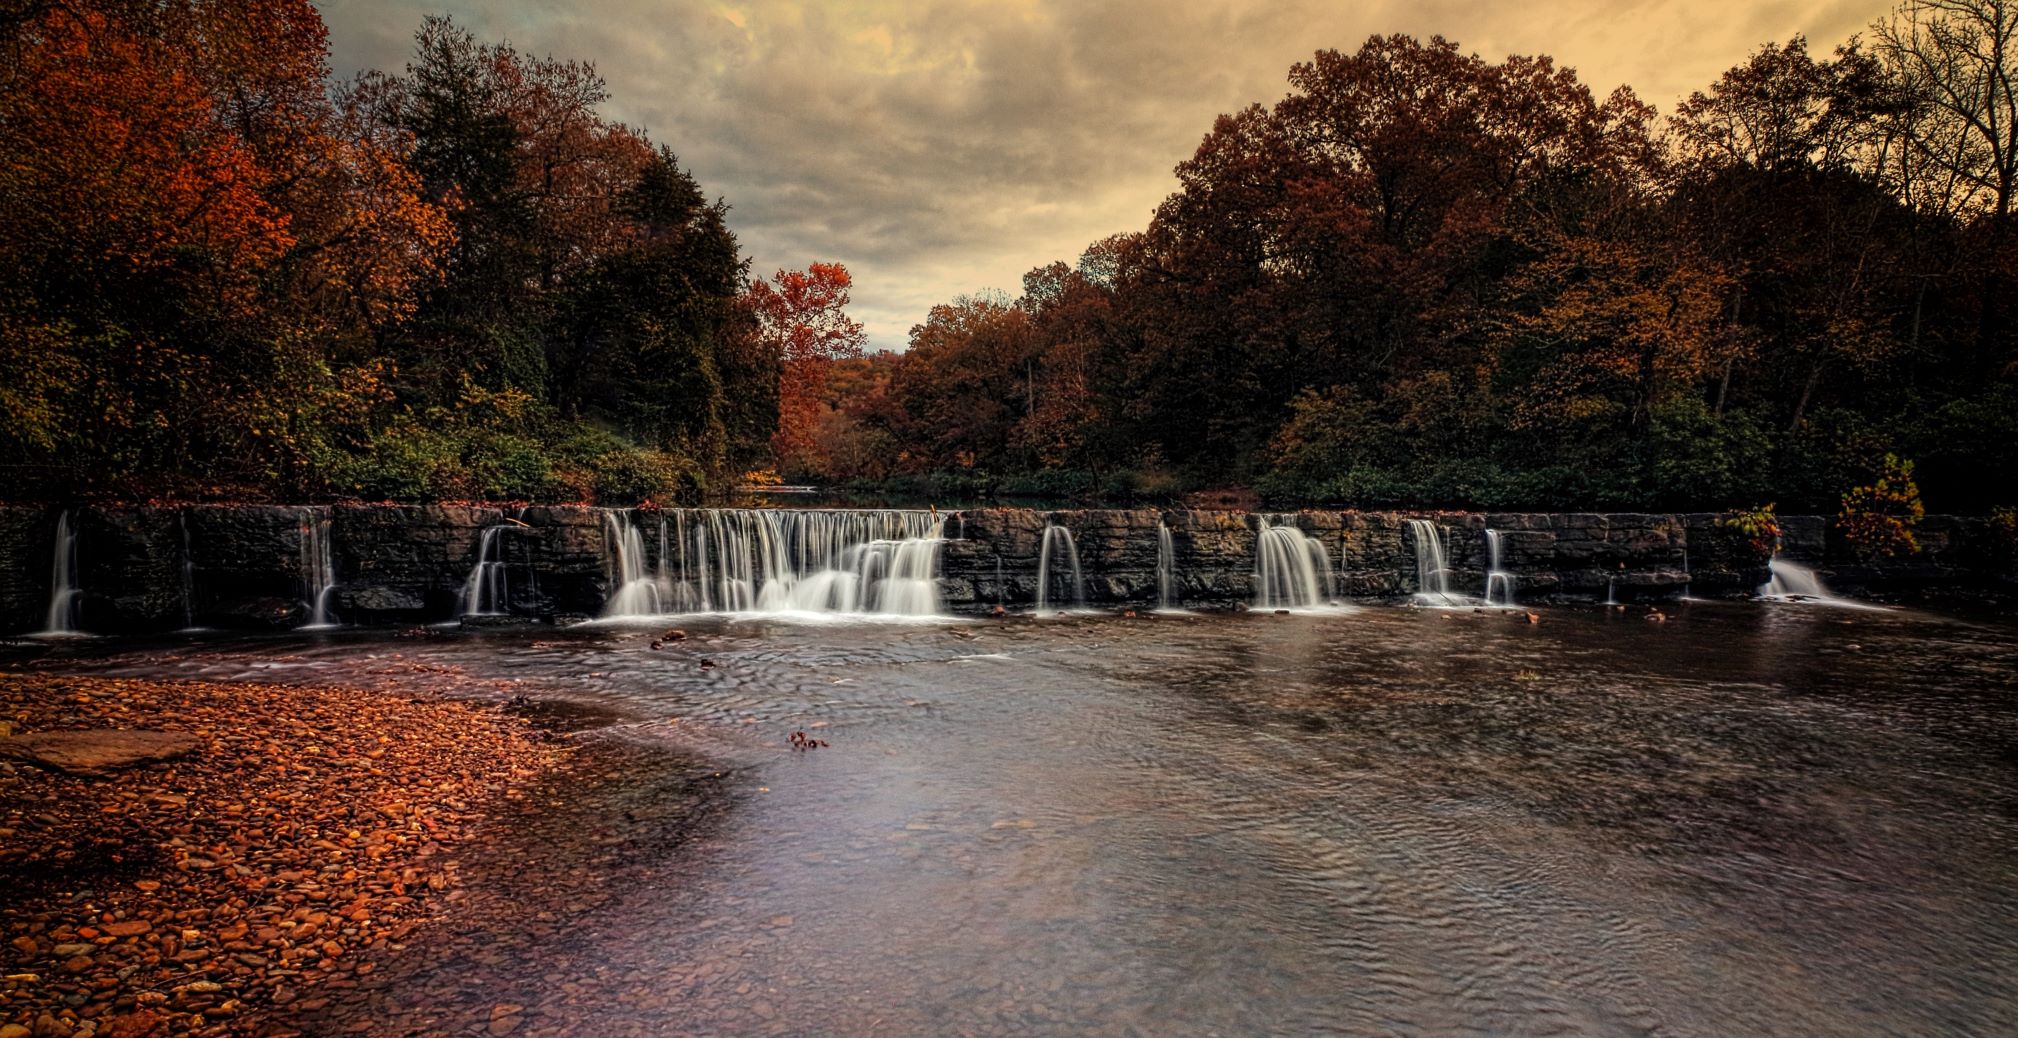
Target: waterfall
{"x":777,"y":561}
{"x":1496,"y":579}
{"x":912,"y":586}
{"x":188,"y":573}
{"x":1432,"y":570}
{"x":637,"y":593}
{"x":1290,"y":568}
{"x":487,"y":591}
{"x":318,"y":568}
{"x":1611,"y":591}
{"x":1166,"y":566}
{"x":1055,"y":535}
{"x":63,"y":590}
{"x":1793,"y":582}
{"x":701,"y":599}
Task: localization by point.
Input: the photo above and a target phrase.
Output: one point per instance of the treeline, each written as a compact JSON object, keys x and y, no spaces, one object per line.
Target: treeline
{"x":223,"y":274}
{"x":1427,"y":279}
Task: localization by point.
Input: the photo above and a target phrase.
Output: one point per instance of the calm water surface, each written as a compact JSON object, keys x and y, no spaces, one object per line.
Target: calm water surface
{"x":1750,"y":819}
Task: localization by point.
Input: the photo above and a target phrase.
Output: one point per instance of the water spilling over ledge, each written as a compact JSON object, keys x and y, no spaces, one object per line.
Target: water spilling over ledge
{"x":318,"y":568}
{"x":1291,"y":570}
{"x":61,"y":617}
{"x":1058,"y":542}
{"x":110,"y":569}
{"x":871,"y":562}
{"x":1432,"y":566}
{"x":1497,"y":579}
{"x":1793,"y":582}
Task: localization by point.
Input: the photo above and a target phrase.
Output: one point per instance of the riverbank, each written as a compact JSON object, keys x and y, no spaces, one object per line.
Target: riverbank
{"x":296,"y":837}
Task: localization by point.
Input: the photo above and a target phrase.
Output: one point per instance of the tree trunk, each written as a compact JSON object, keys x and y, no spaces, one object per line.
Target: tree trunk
{"x":1807,"y":391}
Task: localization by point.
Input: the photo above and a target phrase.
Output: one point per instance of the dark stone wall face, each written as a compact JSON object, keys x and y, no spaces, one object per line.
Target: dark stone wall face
{"x":148,"y":568}
{"x":245,"y":564}
{"x":27,"y":536}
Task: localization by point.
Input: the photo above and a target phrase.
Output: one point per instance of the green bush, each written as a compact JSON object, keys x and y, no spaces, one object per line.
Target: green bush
{"x":1050,"y":484}
{"x":598,"y":463}
{"x":495,"y":446}
{"x":1696,"y":459}
{"x":405,"y":462}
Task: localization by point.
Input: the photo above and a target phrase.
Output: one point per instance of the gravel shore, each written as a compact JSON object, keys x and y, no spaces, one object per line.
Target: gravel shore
{"x":302,"y":838}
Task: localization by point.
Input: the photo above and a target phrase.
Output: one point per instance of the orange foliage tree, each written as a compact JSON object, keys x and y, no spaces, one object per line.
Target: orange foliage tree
{"x":189,"y":228}
{"x":803,"y":321}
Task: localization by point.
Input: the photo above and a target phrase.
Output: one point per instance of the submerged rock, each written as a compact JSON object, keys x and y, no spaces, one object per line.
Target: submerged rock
{"x":98,"y":751}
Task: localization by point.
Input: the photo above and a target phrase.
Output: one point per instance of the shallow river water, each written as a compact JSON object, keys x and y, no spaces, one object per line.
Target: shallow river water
{"x":1750,"y":819}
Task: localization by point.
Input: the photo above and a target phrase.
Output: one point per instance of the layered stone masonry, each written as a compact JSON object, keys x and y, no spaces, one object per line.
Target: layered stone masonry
{"x":157,"y":568}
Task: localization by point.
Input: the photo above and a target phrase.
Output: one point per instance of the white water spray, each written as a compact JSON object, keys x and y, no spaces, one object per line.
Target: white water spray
{"x":1496,"y":578}
{"x":1793,"y":582}
{"x":487,"y":591}
{"x":1291,"y":568}
{"x":637,"y":592}
{"x":63,"y":591}
{"x":1432,"y":568}
{"x":777,"y":561}
{"x":318,"y":568}
{"x":1166,"y":566}
{"x":1058,"y":538}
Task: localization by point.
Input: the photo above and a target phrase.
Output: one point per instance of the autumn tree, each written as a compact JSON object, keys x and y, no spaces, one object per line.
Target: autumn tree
{"x":170,"y":170}
{"x":802,"y":321}
{"x":1353,"y":234}
{"x":221,"y":273}
{"x":959,"y":389}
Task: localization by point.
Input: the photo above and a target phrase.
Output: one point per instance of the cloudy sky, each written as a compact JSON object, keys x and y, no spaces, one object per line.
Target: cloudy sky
{"x":940,"y":149}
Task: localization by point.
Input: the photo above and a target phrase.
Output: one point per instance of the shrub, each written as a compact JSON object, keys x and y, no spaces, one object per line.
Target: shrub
{"x":1758,"y":527}
{"x":1697,"y":457}
{"x":615,"y":471}
{"x":1878,"y":519}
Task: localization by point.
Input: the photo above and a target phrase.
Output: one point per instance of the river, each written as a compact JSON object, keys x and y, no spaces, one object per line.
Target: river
{"x":1751,"y":818}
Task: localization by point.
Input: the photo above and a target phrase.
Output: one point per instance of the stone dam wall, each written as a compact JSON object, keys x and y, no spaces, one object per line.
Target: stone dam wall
{"x":161,"y":568}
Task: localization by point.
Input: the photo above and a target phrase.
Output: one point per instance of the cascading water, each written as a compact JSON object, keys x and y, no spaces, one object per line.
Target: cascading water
{"x":487,"y":591}
{"x":1166,"y":566}
{"x":1058,"y":538}
{"x":637,"y":591}
{"x":1496,"y":579}
{"x":777,"y":561}
{"x":318,"y":568}
{"x":1432,"y":570}
{"x":1291,"y":568}
{"x":1793,"y":582}
{"x":63,"y":590}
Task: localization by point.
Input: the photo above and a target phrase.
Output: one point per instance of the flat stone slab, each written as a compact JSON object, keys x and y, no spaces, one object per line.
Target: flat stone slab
{"x":98,"y":751}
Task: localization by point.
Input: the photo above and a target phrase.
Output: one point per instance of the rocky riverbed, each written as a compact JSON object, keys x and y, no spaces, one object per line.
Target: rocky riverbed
{"x":292,"y":839}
